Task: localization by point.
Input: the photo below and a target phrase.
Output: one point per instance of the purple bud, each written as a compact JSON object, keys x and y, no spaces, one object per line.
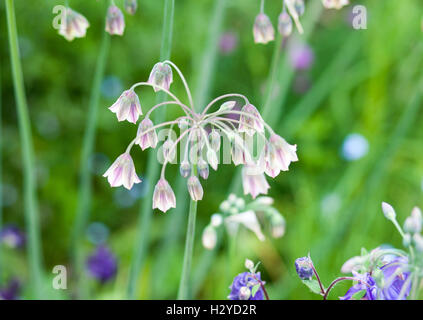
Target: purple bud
{"x":304,"y":267}
{"x":203,"y":168}
{"x":102,"y":264}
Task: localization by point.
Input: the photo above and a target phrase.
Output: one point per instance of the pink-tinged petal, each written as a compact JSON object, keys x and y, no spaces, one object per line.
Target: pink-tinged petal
{"x":122,"y":172}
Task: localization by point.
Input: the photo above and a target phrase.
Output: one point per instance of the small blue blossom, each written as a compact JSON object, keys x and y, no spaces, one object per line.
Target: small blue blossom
{"x":241,"y":283}
{"x":12,"y":236}
{"x":304,"y":267}
{"x":102,"y":264}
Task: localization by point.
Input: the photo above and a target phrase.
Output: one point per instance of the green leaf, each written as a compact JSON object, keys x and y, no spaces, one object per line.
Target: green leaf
{"x":358,"y":295}
{"x":313,"y":285}
{"x":254,"y":289}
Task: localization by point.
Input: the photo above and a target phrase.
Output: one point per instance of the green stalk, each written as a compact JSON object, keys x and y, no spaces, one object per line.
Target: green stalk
{"x":31,"y":205}
{"x":153,"y":166}
{"x":1,"y":180}
{"x":85,"y":178}
{"x":184,"y":285}
{"x":202,"y":94}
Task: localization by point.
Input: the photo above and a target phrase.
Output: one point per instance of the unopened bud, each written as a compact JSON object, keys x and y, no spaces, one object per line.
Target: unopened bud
{"x":244,"y":293}
{"x":413,"y":224}
{"x":194,"y":188}
{"x":216,"y":220}
{"x":214,"y":138}
{"x":285,"y":24}
{"x":304,"y":268}
{"x":249,"y":264}
{"x":209,"y":238}
{"x":185,"y":169}
{"x":418,"y":242}
{"x":388,"y":211}
{"x":131,"y":6}
{"x":203,"y":168}
{"x":212,"y":158}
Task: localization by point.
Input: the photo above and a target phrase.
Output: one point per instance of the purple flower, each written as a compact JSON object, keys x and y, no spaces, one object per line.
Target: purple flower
{"x":301,"y":56}
{"x":392,"y":279}
{"x":241,"y":287}
{"x":304,"y":268}
{"x":12,"y":236}
{"x":102,"y":264}
{"x":11,"y":291}
{"x":228,"y":42}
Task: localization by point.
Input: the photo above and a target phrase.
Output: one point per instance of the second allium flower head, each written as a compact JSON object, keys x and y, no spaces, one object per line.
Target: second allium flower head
{"x":200,"y":140}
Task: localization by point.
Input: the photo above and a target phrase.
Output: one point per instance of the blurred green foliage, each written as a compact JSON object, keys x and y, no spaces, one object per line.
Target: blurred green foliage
{"x":369,"y":95}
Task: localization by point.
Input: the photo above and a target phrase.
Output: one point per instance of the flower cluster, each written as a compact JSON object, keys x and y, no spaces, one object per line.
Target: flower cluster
{"x":234,"y":212}
{"x":74,"y":25}
{"x":200,"y":139}
{"x":248,"y":285}
{"x":263,"y":29}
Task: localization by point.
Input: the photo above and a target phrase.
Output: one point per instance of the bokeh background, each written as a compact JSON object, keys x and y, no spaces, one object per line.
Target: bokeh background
{"x":348,"y":98}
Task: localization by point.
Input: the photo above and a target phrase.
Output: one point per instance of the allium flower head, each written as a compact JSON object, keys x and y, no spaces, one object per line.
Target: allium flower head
{"x":127,"y":107}
{"x":242,"y":285}
{"x":12,"y":236}
{"x":115,"y":22}
{"x":263,"y":29}
{"x":131,"y":6}
{"x":335,"y":4}
{"x":122,"y":172}
{"x":163,"y":197}
{"x":74,"y":25}
{"x":146,"y":136}
{"x":102,"y":264}
{"x":304,"y":268}
{"x":161,"y":76}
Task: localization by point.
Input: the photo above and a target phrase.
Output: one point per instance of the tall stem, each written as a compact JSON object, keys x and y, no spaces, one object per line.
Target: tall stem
{"x":85,"y":179}
{"x":184,"y":285}
{"x":31,"y":205}
{"x":144,"y":219}
{"x":1,"y":179}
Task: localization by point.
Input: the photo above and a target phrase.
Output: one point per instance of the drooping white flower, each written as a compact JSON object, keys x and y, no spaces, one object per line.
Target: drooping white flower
{"x":74,"y":25}
{"x":127,"y":107}
{"x":254,"y":183}
{"x":194,"y":188}
{"x":249,"y":220}
{"x":163,"y":196}
{"x":115,"y":22}
{"x":279,"y":155}
{"x":335,"y":4}
{"x":285,"y":24}
{"x":146,"y":137}
{"x":251,"y":121}
{"x":122,"y":172}
{"x":161,"y":76}
{"x":263,"y":29}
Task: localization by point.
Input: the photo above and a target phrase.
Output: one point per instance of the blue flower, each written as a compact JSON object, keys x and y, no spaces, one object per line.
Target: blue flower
{"x":241,"y":283}
{"x":304,"y":268}
{"x":102,"y":264}
{"x":12,"y":236}
{"x":393,"y":283}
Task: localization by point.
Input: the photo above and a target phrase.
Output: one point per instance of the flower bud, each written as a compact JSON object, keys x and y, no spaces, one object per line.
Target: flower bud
{"x":304,"y":268}
{"x":194,"y":188}
{"x":388,"y":211}
{"x":285,"y":24}
{"x":228,"y":105}
{"x":418,"y":242}
{"x":131,"y":6}
{"x":209,"y":238}
{"x":263,"y":29}
{"x":225,"y":206}
{"x":161,"y":76}
{"x":335,"y":4}
{"x":214,"y":139}
{"x":115,"y":22}
{"x":169,"y":150}
{"x":212,"y":159}
{"x":249,"y":264}
{"x":216,"y":220}
{"x":406,"y":240}
{"x":185,"y":169}
{"x":413,"y":224}
{"x":203,"y":168}
{"x":244,"y":293}
{"x":299,"y":7}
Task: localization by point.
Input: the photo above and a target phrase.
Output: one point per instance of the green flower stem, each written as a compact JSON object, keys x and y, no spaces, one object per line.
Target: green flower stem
{"x":146,"y":211}
{"x":85,"y":178}
{"x":31,"y":205}
{"x":184,"y":285}
{"x":202,"y":89}
{"x":1,"y":180}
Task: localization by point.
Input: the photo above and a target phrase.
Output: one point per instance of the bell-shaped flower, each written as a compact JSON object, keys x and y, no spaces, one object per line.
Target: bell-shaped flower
{"x":209,"y":237}
{"x":115,"y":22}
{"x":163,"y":196}
{"x":279,"y":155}
{"x":335,"y":4}
{"x":169,"y":150}
{"x":146,"y":137}
{"x":249,"y":220}
{"x":251,"y":121}
{"x":185,"y":169}
{"x":122,"y":172}
{"x":263,"y":29}
{"x":194,"y":188}
{"x":214,"y":140}
{"x":74,"y":25}
{"x":212,"y":159}
{"x":285,"y":24}
{"x":203,"y":168}
{"x":127,"y":107}
{"x":253,"y":181}
{"x":239,"y":151}
{"x":161,"y":76}
{"x":131,"y":6}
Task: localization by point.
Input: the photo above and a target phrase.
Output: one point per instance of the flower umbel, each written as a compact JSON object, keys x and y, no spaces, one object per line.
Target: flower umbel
{"x":200,"y":139}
